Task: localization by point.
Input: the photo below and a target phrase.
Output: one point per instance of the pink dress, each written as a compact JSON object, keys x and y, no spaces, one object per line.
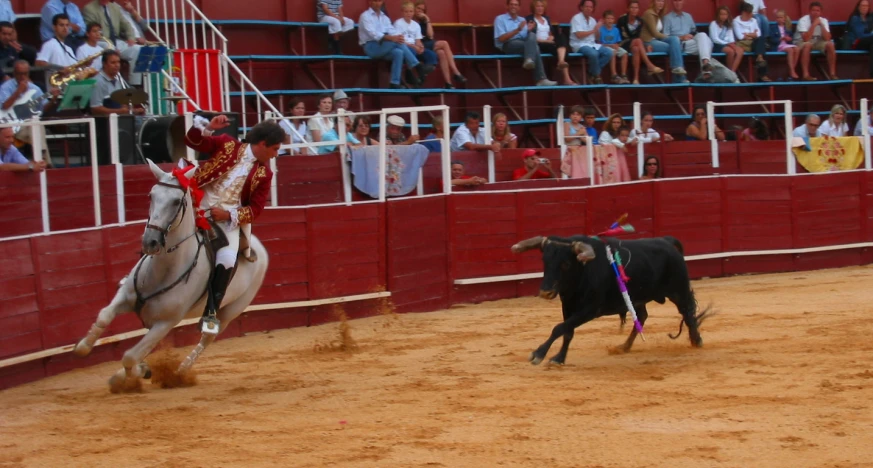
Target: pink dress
{"x":782,"y":44}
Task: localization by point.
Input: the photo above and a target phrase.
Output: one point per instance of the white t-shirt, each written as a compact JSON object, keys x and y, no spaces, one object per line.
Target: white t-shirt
{"x":543,"y":29}
{"x":317,"y":123}
{"x":57,"y":53}
{"x":86,"y":50}
{"x":651,"y":136}
{"x":745,"y":27}
{"x":462,"y":136}
{"x":758,"y":5}
{"x":580,"y":24}
{"x":410,"y":31}
{"x":803,"y":26}
{"x":830,"y":130}
{"x":720,"y":34}
{"x":859,"y":127}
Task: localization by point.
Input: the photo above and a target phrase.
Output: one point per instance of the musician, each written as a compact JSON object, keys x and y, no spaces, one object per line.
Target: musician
{"x":55,"y":52}
{"x":119,"y":33}
{"x":13,"y":91}
{"x":10,"y":49}
{"x":91,"y":47}
{"x":108,"y":81}
{"x":236,"y":181}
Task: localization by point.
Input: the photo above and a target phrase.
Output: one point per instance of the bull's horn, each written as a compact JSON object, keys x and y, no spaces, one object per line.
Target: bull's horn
{"x":529,"y":244}
{"x":584,"y":252}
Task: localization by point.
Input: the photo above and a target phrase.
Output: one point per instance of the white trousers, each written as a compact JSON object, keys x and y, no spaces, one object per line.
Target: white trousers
{"x":334,"y":26}
{"x":227,"y":255}
{"x":701,"y":45}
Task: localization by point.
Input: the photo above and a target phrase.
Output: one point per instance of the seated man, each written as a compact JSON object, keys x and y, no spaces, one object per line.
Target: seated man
{"x":10,"y":49}
{"x":21,"y":91}
{"x":7,"y":14}
{"x":380,"y":41}
{"x":459,"y":178}
{"x":859,"y":127}
{"x":809,"y":129}
{"x":583,"y":29}
{"x":11,"y":159}
{"x":55,"y":52}
{"x":119,"y":33}
{"x":331,"y":12}
{"x":108,"y":81}
{"x":514,"y":35}
{"x":469,"y":137}
{"x":52,"y":8}
{"x":815,"y":31}
{"x":680,"y":24}
{"x":394,"y":133}
{"x":534,"y":167}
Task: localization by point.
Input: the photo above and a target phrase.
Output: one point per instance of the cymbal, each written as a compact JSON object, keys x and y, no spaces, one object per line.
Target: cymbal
{"x":129,"y":96}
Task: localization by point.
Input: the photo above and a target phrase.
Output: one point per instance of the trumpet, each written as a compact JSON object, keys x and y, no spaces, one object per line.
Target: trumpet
{"x":77,"y":71}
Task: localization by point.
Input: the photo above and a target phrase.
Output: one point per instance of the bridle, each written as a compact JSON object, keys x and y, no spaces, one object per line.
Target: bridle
{"x":177,"y":218}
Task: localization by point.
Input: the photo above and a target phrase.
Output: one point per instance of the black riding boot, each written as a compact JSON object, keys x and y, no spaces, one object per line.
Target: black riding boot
{"x":217,"y":288}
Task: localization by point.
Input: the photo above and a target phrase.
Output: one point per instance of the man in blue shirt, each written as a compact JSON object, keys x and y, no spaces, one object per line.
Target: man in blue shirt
{"x":77,"y":23}
{"x":11,"y":159}
{"x":6,"y":12}
{"x":514,"y":35}
{"x":380,"y":41}
{"x":809,"y":129}
{"x":14,"y":90}
{"x":680,"y":24}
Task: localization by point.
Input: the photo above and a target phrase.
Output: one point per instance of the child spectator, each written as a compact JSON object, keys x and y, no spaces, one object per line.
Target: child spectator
{"x":590,"y":117}
{"x":610,"y":37}
{"x":500,"y":132}
{"x":574,"y":129}
{"x":331,"y":12}
{"x":411,"y":32}
{"x":781,"y":39}
{"x":721,"y":31}
{"x":756,"y":131}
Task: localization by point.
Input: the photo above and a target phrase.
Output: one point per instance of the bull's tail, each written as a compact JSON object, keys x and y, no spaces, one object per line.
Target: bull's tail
{"x":676,"y":244}
{"x":700,"y":316}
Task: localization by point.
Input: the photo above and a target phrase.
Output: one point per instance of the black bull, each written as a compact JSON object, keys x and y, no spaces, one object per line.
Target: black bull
{"x":577,"y":269}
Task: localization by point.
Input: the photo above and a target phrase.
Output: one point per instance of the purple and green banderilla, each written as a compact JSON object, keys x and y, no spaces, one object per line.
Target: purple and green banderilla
{"x":615,"y":262}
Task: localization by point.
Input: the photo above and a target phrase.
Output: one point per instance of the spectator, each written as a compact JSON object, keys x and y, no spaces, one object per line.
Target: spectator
{"x":411,"y":32}
{"x":835,"y":125}
{"x":781,"y":40}
{"x":10,"y":49}
{"x":394,"y":133}
{"x":341,"y":100}
{"x":92,"y":35}
{"x":651,"y":168}
{"x":15,"y":90}
{"x":589,"y":116}
{"x":759,"y":10}
{"x":749,"y":38}
{"x":108,"y":81}
{"x":444,"y":52}
{"x":468,"y":137}
{"x":756,"y":131}
{"x":7,"y":15}
{"x":698,"y":129}
{"x":859,"y":30}
{"x":382,"y":42}
{"x":136,"y":22}
{"x":624,"y":139}
{"x":437,"y":129}
{"x":813,"y":30}
{"x":534,"y":167}
{"x":297,"y":109}
{"x":120,"y":34}
{"x":809,"y":129}
{"x":859,"y":127}
{"x":57,"y":53}
{"x":11,"y":159}
{"x":612,"y":131}
{"x":47,"y":31}
{"x":512,"y":35}
{"x":680,"y":24}
{"x":630,"y":26}
{"x":647,"y":134}
{"x":331,"y":12}
{"x":610,"y":37}
{"x":549,"y":38}
{"x":721,"y":31}
{"x":583,"y":31}
{"x":500,"y":132}
{"x":656,"y":41}
{"x":574,"y":129}
{"x":459,"y":178}
{"x":320,"y":128}
{"x":360,"y":135}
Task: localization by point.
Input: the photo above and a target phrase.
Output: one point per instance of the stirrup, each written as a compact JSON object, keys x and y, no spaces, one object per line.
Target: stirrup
{"x":210,"y":325}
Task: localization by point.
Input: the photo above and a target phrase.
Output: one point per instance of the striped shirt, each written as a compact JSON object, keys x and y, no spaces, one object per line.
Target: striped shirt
{"x":332,"y":5}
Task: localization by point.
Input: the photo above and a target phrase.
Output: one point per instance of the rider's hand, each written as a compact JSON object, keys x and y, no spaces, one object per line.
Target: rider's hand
{"x":219,"y":214}
{"x":218,"y":122}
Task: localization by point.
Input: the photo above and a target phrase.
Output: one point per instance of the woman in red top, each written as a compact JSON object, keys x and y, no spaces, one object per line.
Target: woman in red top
{"x":535,"y":167}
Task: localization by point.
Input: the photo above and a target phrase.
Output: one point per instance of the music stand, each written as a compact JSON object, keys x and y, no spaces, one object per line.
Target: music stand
{"x":77,"y":95}
{"x":151,"y":59}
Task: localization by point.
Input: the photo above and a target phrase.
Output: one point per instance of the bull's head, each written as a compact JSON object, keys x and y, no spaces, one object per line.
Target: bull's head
{"x":559,"y":256}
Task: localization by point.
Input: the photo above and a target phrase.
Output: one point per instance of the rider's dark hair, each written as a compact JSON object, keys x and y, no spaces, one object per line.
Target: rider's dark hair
{"x":268,"y":131}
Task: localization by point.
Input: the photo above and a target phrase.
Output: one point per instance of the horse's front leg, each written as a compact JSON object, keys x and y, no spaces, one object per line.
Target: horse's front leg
{"x":121,"y":303}
{"x":135,"y":355}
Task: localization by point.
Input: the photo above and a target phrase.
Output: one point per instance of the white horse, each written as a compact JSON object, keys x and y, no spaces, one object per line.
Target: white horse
{"x":169,"y":282}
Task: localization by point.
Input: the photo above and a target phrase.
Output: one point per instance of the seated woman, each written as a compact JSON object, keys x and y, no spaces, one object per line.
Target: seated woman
{"x":549,"y":38}
{"x":322,"y":128}
{"x":629,"y":24}
{"x":500,"y":132}
{"x":298,"y":109}
{"x":756,"y":131}
{"x":835,"y":125}
{"x":721,"y":30}
{"x":360,"y":135}
{"x":698,"y":129}
{"x":647,"y":134}
{"x":651,"y":168}
{"x":442,"y":49}
{"x":655,"y":40}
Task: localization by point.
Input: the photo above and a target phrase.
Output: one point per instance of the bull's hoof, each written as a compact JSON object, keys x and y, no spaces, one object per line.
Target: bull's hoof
{"x":535,"y":359}
{"x":556,"y":361}
{"x":697,"y":343}
{"x":618,"y":350}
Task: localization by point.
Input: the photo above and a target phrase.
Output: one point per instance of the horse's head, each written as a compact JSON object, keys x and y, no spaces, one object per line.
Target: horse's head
{"x":169,"y":203}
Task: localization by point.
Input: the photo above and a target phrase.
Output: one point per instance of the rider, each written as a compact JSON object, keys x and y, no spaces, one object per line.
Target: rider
{"x":236,"y":183}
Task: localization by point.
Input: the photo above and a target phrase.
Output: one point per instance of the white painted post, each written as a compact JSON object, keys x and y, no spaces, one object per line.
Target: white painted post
{"x":36,"y":133}
{"x":589,"y":146}
{"x":641,"y":157}
{"x":95,"y":173}
{"x":710,"y":127}
{"x":446,"y":152}
{"x":789,"y":155}
{"x":486,"y":116}
{"x":382,"y":136}
{"x":562,"y":140}
{"x":344,"y":155}
{"x":865,"y":131}
{"x":119,"y":168}
{"x":413,"y":122}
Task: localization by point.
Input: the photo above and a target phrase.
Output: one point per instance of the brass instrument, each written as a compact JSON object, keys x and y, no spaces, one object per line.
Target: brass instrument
{"x":78,"y":70}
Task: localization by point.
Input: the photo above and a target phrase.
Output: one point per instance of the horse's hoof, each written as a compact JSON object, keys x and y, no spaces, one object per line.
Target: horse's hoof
{"x":534,"y":359}
{"x":82,"y":349}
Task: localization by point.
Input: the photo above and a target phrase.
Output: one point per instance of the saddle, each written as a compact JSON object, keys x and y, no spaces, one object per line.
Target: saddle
{"x":218,"y":240}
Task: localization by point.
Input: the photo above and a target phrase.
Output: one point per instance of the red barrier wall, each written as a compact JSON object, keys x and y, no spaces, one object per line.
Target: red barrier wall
{"x":51,"y":287}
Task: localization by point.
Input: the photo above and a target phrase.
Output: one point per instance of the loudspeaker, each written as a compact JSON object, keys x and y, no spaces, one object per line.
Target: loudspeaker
{"x":232,"y":129}
{"x":127,"y":153}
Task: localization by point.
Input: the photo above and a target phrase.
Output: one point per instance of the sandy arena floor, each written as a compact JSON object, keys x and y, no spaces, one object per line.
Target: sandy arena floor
{"x":783,"y":380}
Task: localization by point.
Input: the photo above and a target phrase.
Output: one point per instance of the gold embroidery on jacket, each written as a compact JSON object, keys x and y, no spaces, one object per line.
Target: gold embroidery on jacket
{"x":244,"y":215}
{"x":260,"y":174}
